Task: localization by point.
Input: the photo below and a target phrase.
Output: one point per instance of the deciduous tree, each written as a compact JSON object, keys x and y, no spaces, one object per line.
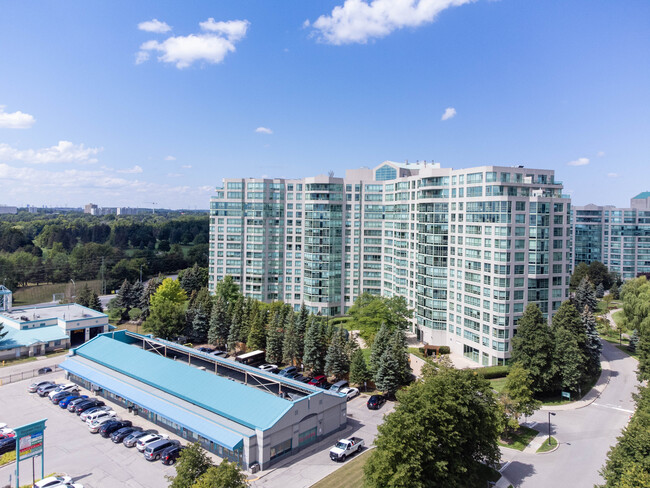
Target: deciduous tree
{"x":192,"y":463}
{"x":518,"y":389}
{"x":226,"y":475}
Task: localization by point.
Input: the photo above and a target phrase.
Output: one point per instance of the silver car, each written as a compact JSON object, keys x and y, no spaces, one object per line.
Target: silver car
{"x":131,"y":439}
{"x":84,"y":416}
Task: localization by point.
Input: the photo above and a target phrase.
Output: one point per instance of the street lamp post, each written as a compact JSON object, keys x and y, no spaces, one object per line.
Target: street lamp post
{"x":549,"y":427}
{"x":74,"y":285}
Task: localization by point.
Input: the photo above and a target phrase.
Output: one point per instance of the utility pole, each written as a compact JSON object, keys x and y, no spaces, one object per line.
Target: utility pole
{"x":103,"y":284}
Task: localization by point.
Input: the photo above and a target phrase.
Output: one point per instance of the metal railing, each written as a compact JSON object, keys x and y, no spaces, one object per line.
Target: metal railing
{"x":24,"y":375}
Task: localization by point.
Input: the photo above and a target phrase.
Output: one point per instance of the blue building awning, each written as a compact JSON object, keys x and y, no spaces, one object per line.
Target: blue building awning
{"x":164,"y":408}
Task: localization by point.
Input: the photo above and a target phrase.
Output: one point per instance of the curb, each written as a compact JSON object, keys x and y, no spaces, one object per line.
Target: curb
{"x":557,"y":446}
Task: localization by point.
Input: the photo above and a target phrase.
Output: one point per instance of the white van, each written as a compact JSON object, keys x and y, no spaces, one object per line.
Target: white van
{"x":58,"y":389}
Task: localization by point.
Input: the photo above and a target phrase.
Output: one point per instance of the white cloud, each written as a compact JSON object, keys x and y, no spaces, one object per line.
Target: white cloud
{"x":186,"y":166}
{"x":134,"y":170}
{"x":174,"y":175}
{"x":154,"y":25}
{"x":579,"y":162}
{"x":170,"y":158}
{"x":600,"y":154}
{"x":358,"y":21}
{"x":263,"y":130}
{"x":211,"y":46}
{"x":15,"y":120}
{"x":450,"y":112}
{"x":63,"y":152}
{"x":612,"y":175}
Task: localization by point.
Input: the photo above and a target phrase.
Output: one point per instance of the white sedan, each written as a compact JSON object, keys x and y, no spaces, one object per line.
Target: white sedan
{"x":350,"y":392}
{"x":94,"y":425}
{"x":53,"y":482}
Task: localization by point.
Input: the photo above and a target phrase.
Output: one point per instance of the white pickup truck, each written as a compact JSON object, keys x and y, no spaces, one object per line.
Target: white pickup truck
{"x":345,"y":447}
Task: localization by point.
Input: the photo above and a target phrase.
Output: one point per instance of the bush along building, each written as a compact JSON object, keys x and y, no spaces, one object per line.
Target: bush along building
{"x":466,"y":248}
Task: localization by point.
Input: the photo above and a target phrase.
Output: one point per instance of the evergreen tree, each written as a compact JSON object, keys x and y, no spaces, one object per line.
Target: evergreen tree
{"x":533,"y":348}
{"x":337,"y":361}
{"x":257,"y":335}
{"x":274,"y":342}
{"x":249,"y":310}
{"x":137,"y":290}
{"x":290,"y":344}
{"x":219,"y":326}
{"x":94,"y":302}
{"x":567,"y":318}
{"x":200,"y":326}
{"x":359,"y":373}
{"x":83,"y":297}
{"x":300,"y":327}
{"x":379,"y":346}
{"x":124,"y":296}
{"x":615,"y":291}
{"x":600,"y":291}
{"x":393,"y":365}
{"x":234,"y":335}
{"x":149,"y":289}
{"x":579,"y":273}
{"x":192,"y":279}
{"x":401,"y":353}
{"x":568,"y":359}
{"x":634,"y":340}
{"x":593,"y":346}
{"x":585,"y":295}
{"x":314,"y":355}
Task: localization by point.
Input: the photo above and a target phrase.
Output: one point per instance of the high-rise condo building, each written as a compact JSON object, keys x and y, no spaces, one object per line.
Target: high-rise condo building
{"x":467,"y":249}
{"x":617,"y":237}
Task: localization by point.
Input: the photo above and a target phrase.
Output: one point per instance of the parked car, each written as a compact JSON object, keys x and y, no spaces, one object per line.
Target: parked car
{"x":376,"y":401}
{"x":346,"y":447}
{"x":204,"y":349}
{"x":108,"y":428}
{"x":301,"y":378}
{"x":87,"y":405}
{"x":72,"y":406}
{"x":100,"y":414}
{"x":121,"y":434}
{"x":65,"y":403}
{"x":268,"y":367}
{"x":153,"y":451}
{"x":319,"y":380}
{"x":46,"y":389}
{"x":57,"y":397}
{"x":92,"y":411}
{"x":143,"y":442}
{"x":350,"y":392}
{"x":289,"y":372}
{"x":53,"y":482}
{"x":95,"y":424}
{"x":336,"y":387}
{"x":7,"y":444}
{"x":35,"y":386}
{"x":131,"y":439}
{"x":171,"y":454}
{"x":60,"y":388}
{"x":220,"y":354}
{"x":44,"y":370}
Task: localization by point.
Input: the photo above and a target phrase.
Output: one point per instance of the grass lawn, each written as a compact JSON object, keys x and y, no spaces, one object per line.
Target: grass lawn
{"x":619,"y":318}
{"x":558,"y":400}
{"x":623,"y":348}
{"x":7,"y":457}
{"x":349,"y":475}
{"x":519,"y":439}
{"x":498,"y":384}
{"x":546,"y":446}
{"x":611,"y":335}
{"x":30,"y":295}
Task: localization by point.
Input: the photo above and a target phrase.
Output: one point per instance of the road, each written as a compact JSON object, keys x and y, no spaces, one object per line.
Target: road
{"x":585,"y":434}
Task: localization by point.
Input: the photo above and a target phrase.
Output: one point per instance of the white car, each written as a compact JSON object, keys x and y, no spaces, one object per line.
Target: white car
{"x":269,"y":367}
{"x":6,"y":430}
{"x":53,"y":482}
{"x":109,"y":414}
{"x":94,"y":425}
{"x":350,"y":392}
{"x":143,"y":442}
{"x":84,"y":416}
{"x":60,"y":388}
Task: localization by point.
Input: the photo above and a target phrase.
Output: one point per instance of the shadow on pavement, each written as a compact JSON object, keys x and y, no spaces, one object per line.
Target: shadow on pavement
{"x":517,"y":472}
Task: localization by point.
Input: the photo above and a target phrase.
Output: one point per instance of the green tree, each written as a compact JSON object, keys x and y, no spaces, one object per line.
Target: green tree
{"x":234,"y":335}
{"x":568,"y":360}
{"x":291,"y":344}
{"x":219,"y":326}
{"x":615,"y":292}
{"x":359,"y":373}
{"x":369,"y":312}
{"x":193,"y":279}
{"x":167,"y":310}
{"x":533,"y":348}
{"x":379,"y":346}
{"x":599,"y":275}
{"x":586,"y":296}
{"x":226,"y":475}
{"x":634,"y":340}
{"x":600,"y":291}
{"x":192,"y":463}
{"x":257,"y":335}
{"x":593,"y":346}
{"x":274,"y":340}
{"x":227,"y":289}
{"x":440,"y":431}
{"x":169,"y":290}
{"x":315,"y":347}
{"x":518,"y":389}
{"x":579,"y":273}
{"x":149,"y":289}
{"x":337,"y":361}
{"x":636,"y":307}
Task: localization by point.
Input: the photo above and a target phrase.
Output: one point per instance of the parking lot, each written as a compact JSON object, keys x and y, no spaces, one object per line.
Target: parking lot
{"x":99,"y":463}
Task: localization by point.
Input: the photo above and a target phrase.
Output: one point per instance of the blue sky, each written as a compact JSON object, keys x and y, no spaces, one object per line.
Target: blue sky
{"x":101,"y":104}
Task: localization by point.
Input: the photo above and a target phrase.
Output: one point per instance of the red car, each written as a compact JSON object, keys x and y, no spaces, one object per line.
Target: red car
{"x":319,"y":381}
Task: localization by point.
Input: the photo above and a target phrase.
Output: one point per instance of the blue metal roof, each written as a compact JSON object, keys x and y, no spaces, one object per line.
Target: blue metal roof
{"x":642,"y":195}
{"x":27,"y":337}
{"x":168,"y":410}
{"x":243,"y":404}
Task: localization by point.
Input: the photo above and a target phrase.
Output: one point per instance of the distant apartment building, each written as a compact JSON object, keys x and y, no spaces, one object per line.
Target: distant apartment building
{"x":93,"y":209}
{"x":467,"y":249}
{"x":617,"y":237}
{"x":6,"y":209}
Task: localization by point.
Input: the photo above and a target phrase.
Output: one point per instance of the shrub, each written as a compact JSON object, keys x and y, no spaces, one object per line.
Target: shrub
{"x":444,"y":350}
{"x":135,"y":314}
{"x":490,"y":372}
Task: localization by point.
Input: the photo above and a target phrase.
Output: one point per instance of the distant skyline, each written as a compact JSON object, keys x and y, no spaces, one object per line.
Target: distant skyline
{"x":126,"y":103}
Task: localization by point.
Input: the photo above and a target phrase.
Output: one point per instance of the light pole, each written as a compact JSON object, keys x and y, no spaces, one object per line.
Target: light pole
{"x":549,"y":427}
{"x":74,"y":292}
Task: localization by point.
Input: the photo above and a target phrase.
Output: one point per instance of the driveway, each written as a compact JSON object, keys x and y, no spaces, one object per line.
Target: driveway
{"x":585,"y":434}
{"x":312,"y":465}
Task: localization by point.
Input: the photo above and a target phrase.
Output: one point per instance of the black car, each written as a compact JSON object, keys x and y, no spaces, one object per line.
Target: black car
{"x":120,"y":434}
{"x":171,"y":454}
{"x":7,"y":444}
{"x":44,"y":370}
{"x":109,"y":427}
{"x":61,"y":395}
{"x":83,"y":406}
{"x":376,"y":401}
{"x":75,"y":403}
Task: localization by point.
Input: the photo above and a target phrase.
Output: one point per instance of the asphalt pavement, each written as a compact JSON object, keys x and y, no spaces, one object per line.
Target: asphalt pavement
{"x":584,"y":434}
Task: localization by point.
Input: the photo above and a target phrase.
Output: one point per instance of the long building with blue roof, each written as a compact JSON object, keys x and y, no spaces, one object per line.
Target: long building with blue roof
{"x":236,"y":411}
